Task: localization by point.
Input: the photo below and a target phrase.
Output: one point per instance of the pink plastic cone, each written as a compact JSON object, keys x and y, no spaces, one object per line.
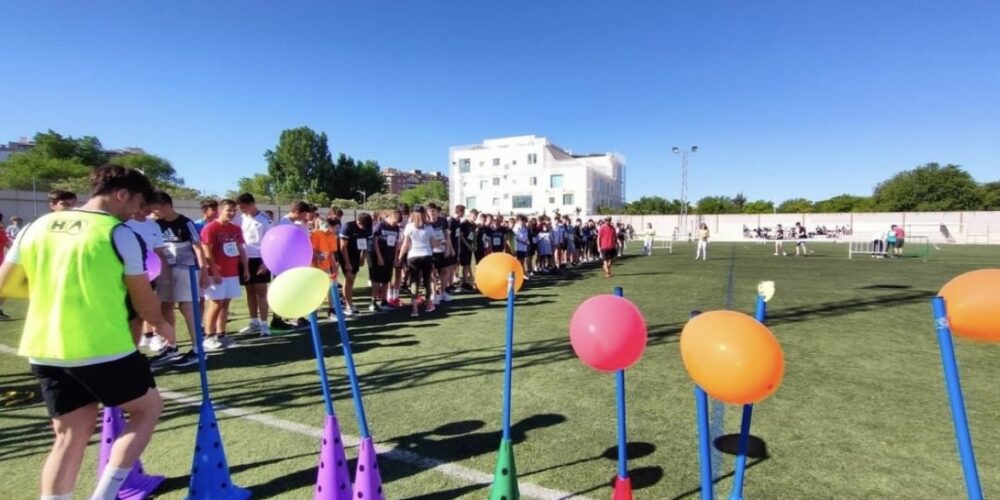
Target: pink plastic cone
{"x":333,"y":481}
{"x":367,"y":481}
{"x":138,"y":484}
{"x":623,"y":488}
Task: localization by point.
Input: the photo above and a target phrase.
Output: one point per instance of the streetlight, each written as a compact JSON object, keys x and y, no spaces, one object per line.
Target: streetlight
{"x":684,"y":184}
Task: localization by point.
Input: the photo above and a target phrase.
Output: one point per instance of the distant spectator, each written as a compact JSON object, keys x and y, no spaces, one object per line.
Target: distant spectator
{"x":60,"y":200}
{"x":15,"y":227}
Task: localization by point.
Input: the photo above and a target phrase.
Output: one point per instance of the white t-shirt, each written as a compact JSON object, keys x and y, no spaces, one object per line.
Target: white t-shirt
{"x":420,"y":240}
{"x":150,"y":232}
{"x":253,"y":232}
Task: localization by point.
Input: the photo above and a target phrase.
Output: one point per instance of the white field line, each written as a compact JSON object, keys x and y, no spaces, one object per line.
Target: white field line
{"x":463,"y":473}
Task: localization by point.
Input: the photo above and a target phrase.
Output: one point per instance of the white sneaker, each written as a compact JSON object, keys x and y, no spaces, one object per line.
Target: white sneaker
{"x":349,"y":311}
{"x":144,"y":340}
{"x":373,"y":308}
{"x":264,"y":330}
{"x":212,"y":344}
{"x":157,"y":343}
{"x":253,"y":327}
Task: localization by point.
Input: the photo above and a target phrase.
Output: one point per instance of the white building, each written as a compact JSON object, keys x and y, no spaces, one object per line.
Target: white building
{"x":530,"y":175}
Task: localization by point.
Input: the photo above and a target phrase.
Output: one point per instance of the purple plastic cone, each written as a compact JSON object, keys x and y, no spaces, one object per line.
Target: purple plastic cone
{"x":333,"y":481}
{"x":367,"y":480}
{"x":138,"y":484}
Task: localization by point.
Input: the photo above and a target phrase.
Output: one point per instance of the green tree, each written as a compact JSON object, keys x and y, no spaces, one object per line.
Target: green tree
{"x":301,"y":164}
{"x":842,"y":204}
{"x":715,"y":205}
{"x":796,"y":206}
{"x":990,"y":195}
{"x":344,"y":203}
{"x":425,"y":193}
{"x":86,"y":150}
{"x":158,"y":170}
{"x":369,"y":178}
{"x":758,"y":207}
{"x":383,"y":201}
{"x":32,"y":169}
{"x":652,"y":205}
{"x":739,"y":200}
{"x":929,"y":187}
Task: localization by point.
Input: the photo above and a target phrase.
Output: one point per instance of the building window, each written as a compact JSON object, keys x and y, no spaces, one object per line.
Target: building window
{"x":496,"y":202}
{"x":483,"y":183}
{"x":568,"y":199}
{"x":496,"y":181}
{"x":532,"y":159}
{"x":552,"y":200}
{"x":533,"y":181}
{"x":464,"y":165}
{"x":556,"y":181}
{"x":470,"y":202}
{"x":496,"y":162}
{"x":521,"y":201}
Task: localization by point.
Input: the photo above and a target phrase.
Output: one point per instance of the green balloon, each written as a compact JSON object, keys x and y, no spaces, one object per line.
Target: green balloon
{"x":298,"y":292}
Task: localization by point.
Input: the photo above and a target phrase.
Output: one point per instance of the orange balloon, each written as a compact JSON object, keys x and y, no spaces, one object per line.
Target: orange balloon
{"x":973,"y":302}
{"x":732,"y":356}
{"x":492,"y":273}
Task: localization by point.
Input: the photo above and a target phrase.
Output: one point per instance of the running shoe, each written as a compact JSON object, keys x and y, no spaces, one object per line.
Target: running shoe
{"x":263,"y":330}
{"x":226,"y":340}
{"x":168,"y":354}
{"x":212,"y":344}
{"x":253,"y":327}
{"x":187,"y":359}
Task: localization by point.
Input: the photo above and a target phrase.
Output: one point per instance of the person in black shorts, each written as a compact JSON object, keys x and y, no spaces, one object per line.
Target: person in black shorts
{"x":386,"y":239}
{"x":353,"y":247}
{"x":254,"y":224}
{"x":467,"y":247}
{"x":76,"y":333}
{"x":444,"y":254}
{"x":482,"y":236}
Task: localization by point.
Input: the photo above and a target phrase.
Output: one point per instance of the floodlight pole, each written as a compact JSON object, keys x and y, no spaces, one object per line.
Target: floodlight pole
{"x":684,"y":186}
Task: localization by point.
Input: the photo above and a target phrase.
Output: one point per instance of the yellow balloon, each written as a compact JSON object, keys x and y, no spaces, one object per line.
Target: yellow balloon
{"x":492,"y":274}
{"x":298,"y":292}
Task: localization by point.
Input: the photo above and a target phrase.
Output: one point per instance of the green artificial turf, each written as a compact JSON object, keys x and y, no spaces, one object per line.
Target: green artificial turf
{"x":862,"y":411}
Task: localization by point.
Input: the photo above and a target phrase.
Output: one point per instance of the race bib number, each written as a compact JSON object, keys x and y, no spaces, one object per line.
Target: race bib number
{"x":439,"y":234}
{"x":390,"y":239}
{"x":230,"y":249}
{"x":497,"y":241}
{"x":362,"y":244}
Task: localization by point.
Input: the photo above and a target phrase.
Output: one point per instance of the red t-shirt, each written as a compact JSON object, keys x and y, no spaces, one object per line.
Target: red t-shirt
{"x":225,"y":240}
{"x":3,"y":245}
{"x":606,"y":237}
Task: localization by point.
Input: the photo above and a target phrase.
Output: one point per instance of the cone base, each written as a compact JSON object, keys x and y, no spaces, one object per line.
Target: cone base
{"x":505,"y":475}
{"x":333,"y":480}
{"x":139,"y":486}
{"x":367,"y":479}
{"x":623,"y":488}
{"x":231,"y":493}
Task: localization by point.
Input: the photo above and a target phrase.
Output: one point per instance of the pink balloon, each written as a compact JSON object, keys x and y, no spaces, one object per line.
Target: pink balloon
{"x":285,"y":247}
{"x":153,"y":265}
{"x":608,"y":333}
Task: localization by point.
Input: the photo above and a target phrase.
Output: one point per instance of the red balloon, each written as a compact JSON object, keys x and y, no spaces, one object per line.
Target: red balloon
{"x":608,"y":333}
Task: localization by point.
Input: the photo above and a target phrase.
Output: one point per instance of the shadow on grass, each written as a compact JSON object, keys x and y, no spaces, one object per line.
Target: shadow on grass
{"x":636,"y":450}
{"x":849,"y":306}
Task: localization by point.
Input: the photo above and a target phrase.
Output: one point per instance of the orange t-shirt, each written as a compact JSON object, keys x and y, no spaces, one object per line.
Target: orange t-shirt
{"x":325,"y":243}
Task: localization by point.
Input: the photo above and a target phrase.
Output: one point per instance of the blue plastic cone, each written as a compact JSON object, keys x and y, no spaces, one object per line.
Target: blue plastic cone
{"x":137,"y":485}
{"x":367,"y":480}
{"x":210,"y":471}
{"x":333,"y":481}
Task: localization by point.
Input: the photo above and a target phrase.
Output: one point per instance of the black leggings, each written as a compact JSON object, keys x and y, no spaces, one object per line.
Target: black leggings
{"x":420,"y":272}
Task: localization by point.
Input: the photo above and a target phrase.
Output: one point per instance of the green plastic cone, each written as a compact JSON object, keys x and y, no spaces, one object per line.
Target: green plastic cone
{"x":505,"y":476}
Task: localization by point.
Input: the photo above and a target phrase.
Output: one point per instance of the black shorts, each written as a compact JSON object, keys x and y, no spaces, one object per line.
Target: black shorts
{"x":441,"y":262}
{"x":380,"y":274}
{"x":353,"y":259}
{"x":253,"y":265}
{"x":521,"y":255}
{"x":112,"y":383}
{"x":608,"y":254}
{"x":465,"y":257}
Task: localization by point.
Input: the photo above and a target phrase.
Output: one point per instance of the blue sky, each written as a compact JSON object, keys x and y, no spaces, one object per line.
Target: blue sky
{"x":784,"y":98}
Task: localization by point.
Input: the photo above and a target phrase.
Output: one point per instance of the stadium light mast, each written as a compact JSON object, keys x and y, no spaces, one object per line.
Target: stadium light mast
{"x":684,"y":185}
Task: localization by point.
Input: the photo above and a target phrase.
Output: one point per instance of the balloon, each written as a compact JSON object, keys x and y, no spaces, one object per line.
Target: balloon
{"x":284,"y":247}
{"x":732,"y":356}
{"x":298,"y":292}
{"x":153,"y":264}
{"x":492,"y":273}
{"x":608,"y":333}
{"x":973,"y":302}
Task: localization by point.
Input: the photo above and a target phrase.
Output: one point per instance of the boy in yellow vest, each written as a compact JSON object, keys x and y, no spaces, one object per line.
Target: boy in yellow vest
{"x":84,"y":271}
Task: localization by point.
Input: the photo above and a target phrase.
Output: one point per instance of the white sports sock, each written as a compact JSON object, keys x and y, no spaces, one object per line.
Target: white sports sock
{"x":65,"y":496}
{"x":110,"y":482}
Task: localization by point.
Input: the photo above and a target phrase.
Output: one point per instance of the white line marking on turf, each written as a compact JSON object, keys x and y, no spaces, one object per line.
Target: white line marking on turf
{"x":466,"y":474}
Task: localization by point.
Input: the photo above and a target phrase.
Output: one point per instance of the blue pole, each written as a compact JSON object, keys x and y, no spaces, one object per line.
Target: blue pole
{"x":620,"y":400}
{"x":320,"y":363}
{"x":508,"y":367}
{"x":744,"y":443}
{"x":352,"y":374}
{"x":198,"y":334}
{"x":704,"y":443}
{"x":954,"y":386}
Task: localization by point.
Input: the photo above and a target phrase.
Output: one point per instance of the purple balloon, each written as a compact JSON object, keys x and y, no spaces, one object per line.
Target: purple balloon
{"x":153,"y":265}
{"x":285,"y":247}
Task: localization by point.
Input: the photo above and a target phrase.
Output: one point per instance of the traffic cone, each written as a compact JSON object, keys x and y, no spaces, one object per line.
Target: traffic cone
{"x":137,"y":485}
{"x":623,"y":488}
{"x":210,"y":471}
{"x":505,"y":476}
{"x":333,"y":480}
{"x":367,"y":480}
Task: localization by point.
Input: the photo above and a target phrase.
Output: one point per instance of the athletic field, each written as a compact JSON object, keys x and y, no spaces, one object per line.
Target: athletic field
{"x":862,"y":412}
